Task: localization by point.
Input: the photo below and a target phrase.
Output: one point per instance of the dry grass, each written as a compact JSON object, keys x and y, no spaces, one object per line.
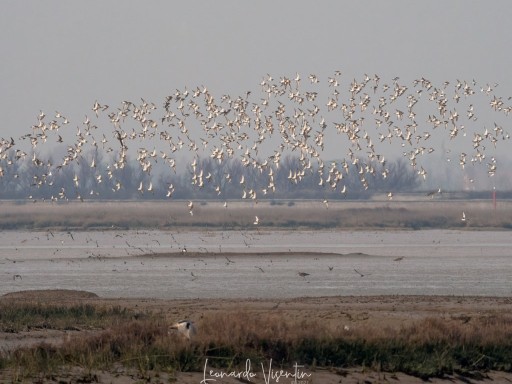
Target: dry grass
{"x":417,"y":214}
{"x":18,"y":316}
{"x":429,"y":347}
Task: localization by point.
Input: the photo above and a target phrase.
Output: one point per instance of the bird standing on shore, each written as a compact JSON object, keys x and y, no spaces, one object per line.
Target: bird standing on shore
{"x":185,"y":328}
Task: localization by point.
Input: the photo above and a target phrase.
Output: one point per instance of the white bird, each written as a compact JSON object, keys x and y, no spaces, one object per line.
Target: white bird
{"x":170,"y":191}
{"x":256,"y":220}
{"x":185,"y":328}
{"x":296,"y":131}
{"x":431,"y":194}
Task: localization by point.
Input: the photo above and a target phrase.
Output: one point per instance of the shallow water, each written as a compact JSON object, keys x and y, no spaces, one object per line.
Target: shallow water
{"x":435,"y":262}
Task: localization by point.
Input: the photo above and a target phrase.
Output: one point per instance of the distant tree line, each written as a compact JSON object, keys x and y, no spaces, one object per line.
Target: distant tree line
{"x":25,"y":178}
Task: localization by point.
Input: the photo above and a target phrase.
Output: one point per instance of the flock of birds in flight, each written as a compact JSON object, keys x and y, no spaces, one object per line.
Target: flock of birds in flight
{"x":293,"y":115}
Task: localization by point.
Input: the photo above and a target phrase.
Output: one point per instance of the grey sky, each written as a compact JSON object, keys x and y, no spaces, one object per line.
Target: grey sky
{"x":64,"y":55}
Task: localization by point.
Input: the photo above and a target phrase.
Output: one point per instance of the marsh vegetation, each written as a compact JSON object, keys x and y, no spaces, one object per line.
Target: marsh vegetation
{"x":405,"y":213}
{"x":125,"y":338}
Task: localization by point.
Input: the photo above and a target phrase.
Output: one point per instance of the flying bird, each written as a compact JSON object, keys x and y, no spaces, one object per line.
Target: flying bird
{"x":359,"y":273}
{"x":284,"y":114}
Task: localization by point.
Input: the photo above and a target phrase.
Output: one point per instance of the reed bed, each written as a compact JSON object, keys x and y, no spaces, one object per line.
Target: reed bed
{"x":429,"y":347}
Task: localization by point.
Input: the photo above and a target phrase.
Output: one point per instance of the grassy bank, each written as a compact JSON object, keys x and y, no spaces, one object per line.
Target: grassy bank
{"x":121,"y":337}
{"x":427,"y":213}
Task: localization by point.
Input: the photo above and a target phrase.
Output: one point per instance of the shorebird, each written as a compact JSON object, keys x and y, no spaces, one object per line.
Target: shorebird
{"x":303,"y":274}
{"x":431,"y":194}
{"x":359,"y":273}
{"x":185,"y":328}
{"x":233,"y":128}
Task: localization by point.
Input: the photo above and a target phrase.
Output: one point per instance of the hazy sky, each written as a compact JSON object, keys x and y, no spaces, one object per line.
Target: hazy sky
{"x":64,"y":55}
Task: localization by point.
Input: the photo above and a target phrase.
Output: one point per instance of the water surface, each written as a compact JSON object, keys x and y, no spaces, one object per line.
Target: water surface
{"x":110,"y":263}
